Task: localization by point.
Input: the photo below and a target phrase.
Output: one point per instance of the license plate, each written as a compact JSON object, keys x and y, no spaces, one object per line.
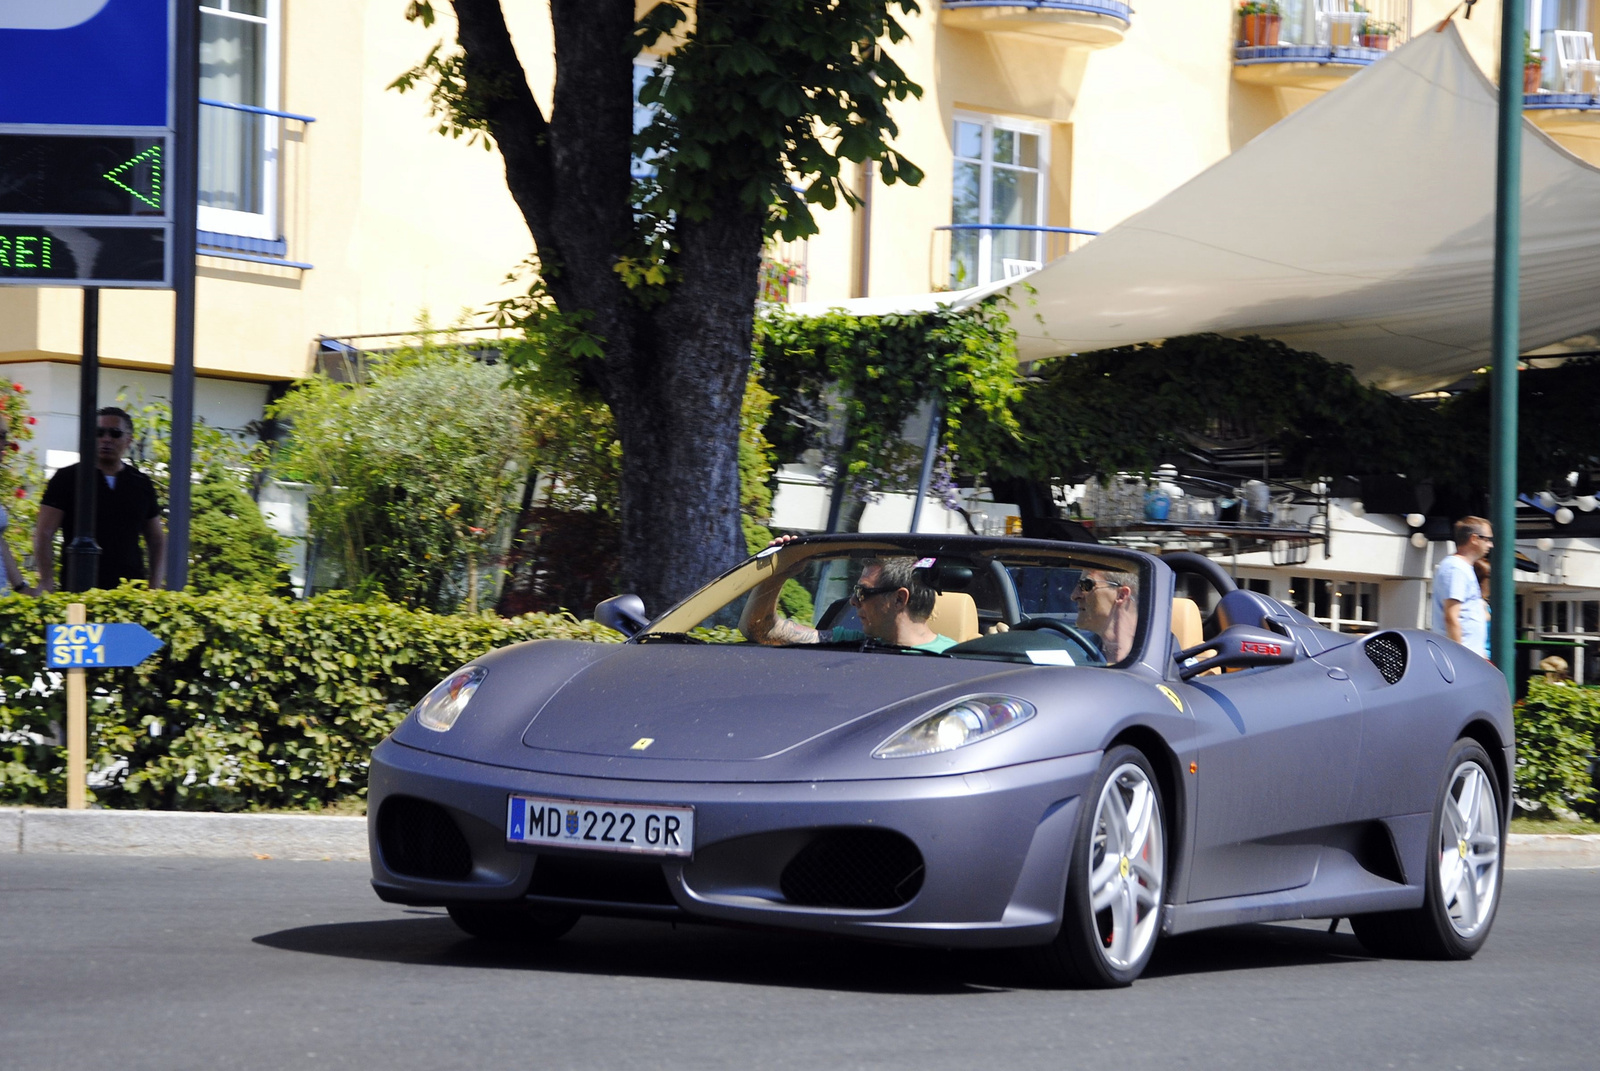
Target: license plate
{"x":607,"y":827}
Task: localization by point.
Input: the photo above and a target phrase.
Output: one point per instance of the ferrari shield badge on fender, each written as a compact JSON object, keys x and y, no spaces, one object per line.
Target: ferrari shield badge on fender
{"x":1170,"y":694}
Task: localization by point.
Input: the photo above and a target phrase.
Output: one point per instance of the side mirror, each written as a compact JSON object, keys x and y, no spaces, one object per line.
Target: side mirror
{"x":1238,"y":645}
{"x":625,"y":613}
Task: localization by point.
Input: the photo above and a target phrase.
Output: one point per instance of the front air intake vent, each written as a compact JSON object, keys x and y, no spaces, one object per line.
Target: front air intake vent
{"x":616,"y":880}
{"x":420,"y":840}
{"x":1387,"y":651}
{"x":864,"y":869}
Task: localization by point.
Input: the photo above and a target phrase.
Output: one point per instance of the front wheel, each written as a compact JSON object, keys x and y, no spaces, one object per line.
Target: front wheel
{"x":1462,"y":881}
{"x":1117,"y":874}
{"x":512,"y":924}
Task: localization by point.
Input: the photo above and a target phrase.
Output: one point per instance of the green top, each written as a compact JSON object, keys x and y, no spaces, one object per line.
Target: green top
{"x":937,"y":645}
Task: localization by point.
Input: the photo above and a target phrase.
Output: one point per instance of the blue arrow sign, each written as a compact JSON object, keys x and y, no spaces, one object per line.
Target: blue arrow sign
{"x":75,"y":646}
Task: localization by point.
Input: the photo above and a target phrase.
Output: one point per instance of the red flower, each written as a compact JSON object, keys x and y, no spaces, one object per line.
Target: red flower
{"x":33,"y":420}
{"x":17,"y":387}
{"x":21,"y":491}
{"x":16,"y":446}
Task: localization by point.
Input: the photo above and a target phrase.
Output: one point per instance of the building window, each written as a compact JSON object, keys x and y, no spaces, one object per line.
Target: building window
{"x":1001,"y":167}
{"x":1343,"y":606}
{"x":239,"y":65}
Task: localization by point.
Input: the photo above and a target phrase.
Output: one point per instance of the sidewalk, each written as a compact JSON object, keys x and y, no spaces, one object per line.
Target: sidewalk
{"x":297,"y":836}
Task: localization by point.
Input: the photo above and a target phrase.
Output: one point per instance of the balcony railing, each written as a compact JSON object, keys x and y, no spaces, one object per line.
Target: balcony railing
{"x":974,"y":254}
{"x":1308,"y":34}
{"x":1112,"y":8}
{"x":242,"y":181}
{"x":1083,"y":23}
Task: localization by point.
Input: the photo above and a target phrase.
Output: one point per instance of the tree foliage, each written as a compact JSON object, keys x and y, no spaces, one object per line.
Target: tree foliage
{"x":867,"y":376}
{"x":1557,"y":724}
{"x":412,"y":473}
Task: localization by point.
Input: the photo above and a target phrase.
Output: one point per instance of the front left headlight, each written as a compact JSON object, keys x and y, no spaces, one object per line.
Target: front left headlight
{"x":966,"y":721}
{"x":441,"y":707}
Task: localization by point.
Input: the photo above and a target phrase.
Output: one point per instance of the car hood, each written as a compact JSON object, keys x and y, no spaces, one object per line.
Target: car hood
{"x":728,"y":703}
{"x":762,"y":714}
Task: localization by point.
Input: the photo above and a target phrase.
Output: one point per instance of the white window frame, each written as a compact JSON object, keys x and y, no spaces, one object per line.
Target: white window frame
{"x":263,"y":224}
{"x":990,"y":123}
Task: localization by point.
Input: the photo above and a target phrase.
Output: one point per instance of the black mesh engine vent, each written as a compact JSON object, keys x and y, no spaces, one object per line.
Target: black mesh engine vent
{"x":865,"y":869}
{"x":420,"y":840}
{"x":1387,"y":651}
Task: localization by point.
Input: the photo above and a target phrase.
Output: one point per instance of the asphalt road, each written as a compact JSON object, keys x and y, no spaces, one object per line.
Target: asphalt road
{"x":169,"y":963}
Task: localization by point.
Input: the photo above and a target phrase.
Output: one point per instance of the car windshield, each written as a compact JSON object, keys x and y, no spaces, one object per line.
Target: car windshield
{"x":986,"y":599}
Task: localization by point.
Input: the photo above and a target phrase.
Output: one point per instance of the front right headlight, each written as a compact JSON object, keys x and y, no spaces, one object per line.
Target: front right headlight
{"x":441,"y":707}
{"x":966,"y":721}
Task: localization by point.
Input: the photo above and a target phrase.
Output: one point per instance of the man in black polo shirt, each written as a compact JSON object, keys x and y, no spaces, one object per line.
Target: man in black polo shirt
{"x":125,"y":509}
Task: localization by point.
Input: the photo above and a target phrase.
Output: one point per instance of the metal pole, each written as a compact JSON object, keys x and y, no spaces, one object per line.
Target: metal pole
{"x":185,"y":186}
{"x":1507,"y":346}
{"x":83,"y":552}
{"x":929,"y":448}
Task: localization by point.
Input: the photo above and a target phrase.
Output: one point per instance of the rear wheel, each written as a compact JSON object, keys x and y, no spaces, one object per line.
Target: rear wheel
{"x":1462,"y":882}
{"x":512,"y":924}
{"x":1116,"y":877}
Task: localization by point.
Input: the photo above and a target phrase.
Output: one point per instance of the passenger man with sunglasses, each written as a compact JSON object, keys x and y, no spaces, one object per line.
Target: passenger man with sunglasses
{"x":126,"y":508}
{"x":892,"y":600}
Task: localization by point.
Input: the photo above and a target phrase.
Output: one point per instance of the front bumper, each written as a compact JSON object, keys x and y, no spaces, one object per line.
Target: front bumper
{"x":994,"y":845}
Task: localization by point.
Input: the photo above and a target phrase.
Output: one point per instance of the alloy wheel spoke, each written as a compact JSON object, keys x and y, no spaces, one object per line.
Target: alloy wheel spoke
{"x":1452,"y":872}
{"x":1141,"y":817}
{"x":1470,"y":800}
{"x":1121,"y":925}
{"x":1148,"y":872}
{"x":1115,"y":815}
{"x":1469,"y":897}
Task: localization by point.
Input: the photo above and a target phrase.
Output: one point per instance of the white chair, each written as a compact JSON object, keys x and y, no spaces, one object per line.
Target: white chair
{"x":1575,"y":59}
{"x":1339,"y":23}
{"x":1014,"y":268}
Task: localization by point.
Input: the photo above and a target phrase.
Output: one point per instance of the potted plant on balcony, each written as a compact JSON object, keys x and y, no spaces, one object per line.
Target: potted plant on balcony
{"x":1375,"y":34}
{"x":1532,"y":65}
{"x":1259,"y":22}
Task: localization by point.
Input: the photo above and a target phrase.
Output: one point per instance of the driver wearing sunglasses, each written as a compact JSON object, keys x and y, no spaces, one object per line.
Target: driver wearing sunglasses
{"x":1108,"y":605}
{"x":892,"y":600}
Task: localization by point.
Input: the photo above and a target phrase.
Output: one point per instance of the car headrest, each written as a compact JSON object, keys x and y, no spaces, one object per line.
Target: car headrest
{"x":955,"y":615}
{"x":1186,"y":623}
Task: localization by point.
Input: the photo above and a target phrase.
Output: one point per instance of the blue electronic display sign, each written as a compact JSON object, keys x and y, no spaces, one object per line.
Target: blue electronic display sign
{"x":86,"y":125}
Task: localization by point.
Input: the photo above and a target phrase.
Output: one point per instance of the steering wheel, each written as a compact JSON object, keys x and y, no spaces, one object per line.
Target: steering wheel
{"x":1050,"y":624}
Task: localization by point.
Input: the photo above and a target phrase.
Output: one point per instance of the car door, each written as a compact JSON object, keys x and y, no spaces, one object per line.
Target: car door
{"x":1277,"y":754}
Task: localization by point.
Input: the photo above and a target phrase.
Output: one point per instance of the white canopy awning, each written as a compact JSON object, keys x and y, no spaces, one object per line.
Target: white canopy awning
{"x":1360,"y":228}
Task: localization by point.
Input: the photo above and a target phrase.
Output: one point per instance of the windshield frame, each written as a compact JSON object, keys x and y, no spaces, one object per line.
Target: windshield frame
{"x":742,"y":578}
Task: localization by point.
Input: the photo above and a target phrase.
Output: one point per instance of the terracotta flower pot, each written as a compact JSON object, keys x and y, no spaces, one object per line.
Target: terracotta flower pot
{"x":1531,"y":74}
{"x":1375,"y":40}
{"x":1260,"y":31}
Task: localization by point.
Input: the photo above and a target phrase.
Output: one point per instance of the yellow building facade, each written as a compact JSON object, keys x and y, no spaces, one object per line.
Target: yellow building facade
{"x":331,"y":209}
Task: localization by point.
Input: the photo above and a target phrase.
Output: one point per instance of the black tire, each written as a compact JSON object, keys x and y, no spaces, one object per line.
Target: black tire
{"x":1083,"y":952}
{"x":1433,"y":931}
{"x":512,"y":924}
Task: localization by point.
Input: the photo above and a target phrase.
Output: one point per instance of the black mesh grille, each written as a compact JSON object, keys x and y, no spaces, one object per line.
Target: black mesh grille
{"x":611,"y":879}
{"x":420,"y":840}
{"x":1387,"y":651}
{"x":856,"y":868}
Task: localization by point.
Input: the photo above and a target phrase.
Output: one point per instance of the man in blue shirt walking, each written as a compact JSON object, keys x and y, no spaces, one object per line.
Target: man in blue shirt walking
{"x":1459,"y":609}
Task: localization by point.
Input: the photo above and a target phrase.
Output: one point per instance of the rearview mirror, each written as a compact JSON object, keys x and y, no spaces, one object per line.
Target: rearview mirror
{"x":625,"y":613}
{"x":1237,"y":646}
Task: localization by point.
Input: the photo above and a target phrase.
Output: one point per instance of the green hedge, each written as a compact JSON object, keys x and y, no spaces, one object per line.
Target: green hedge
{"x":255,"y":702}
{"x":1556,"y":731}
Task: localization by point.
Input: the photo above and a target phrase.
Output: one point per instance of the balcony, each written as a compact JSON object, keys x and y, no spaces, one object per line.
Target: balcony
{"x":976,"y":254}
{"x":250,"y":159}
{"x":1317,"y":44}
{"x":1085,"y":23}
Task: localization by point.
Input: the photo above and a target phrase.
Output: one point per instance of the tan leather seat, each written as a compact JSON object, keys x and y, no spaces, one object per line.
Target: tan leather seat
{"x":955,"y":615}
{"x":1186,"y":623}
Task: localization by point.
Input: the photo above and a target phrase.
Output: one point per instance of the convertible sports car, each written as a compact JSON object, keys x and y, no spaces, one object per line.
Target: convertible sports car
{"x":1079,"y":762}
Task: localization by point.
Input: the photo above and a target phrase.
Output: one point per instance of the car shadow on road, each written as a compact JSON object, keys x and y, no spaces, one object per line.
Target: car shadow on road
{"x":693,"y":952}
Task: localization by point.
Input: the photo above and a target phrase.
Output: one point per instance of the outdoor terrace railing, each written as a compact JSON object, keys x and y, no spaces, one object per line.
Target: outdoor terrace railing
{"x":1325,"y":32}
{"x":974,"y":254}
{"x":1113,"y":8}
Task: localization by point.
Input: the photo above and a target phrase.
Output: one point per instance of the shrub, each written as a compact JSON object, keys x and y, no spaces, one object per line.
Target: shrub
{"x":1556,"y":726}
{"x":254,"y":702}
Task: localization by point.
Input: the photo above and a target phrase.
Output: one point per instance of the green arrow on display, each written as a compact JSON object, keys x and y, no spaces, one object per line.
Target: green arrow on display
{"x":153,"y":156}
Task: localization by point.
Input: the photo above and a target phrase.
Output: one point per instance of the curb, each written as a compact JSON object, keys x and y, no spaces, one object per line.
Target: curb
{"x":202,"y":834}
{"x":197,"y":834}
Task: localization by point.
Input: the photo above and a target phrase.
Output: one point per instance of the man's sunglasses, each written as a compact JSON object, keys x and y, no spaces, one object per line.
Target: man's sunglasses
{"x":1089,"y":583}
{"x":108,"y":433}
{"x":860,"y":592}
